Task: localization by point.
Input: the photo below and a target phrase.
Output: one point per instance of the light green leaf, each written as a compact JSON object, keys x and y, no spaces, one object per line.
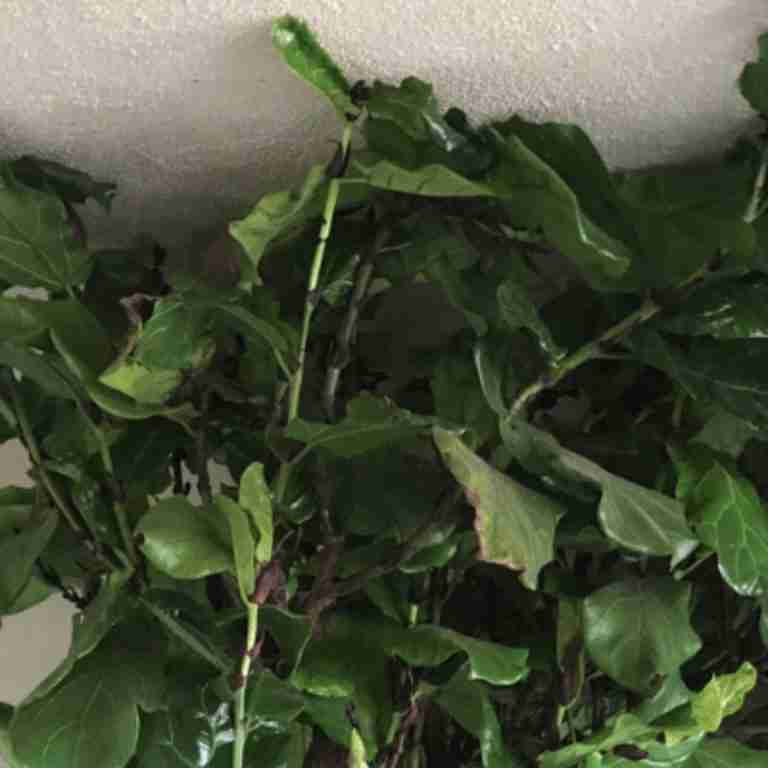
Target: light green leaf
{"x":311,"y":62}
{"x":256,"y":500}
{"x":356,"y":757}
{"x":429,"y":646}
{"x":370,"y":423}
{"x":518,"y":311}
{"x":185,"y":541}
{"x":21,"y":543}
{"x":732,"y":520}
{"x":726,"y":753}
{"x":271,"y":704}
{"x":277,"y":213}
{"x":754,"y":79}
{"x":39,"y":248}
{"x":175,"y":337}
{"x":152,"y":387}
{"x":723,"y":696}
{"x":516,"y":526}
{"x":242,"y":545}
{"x":637,"y":631}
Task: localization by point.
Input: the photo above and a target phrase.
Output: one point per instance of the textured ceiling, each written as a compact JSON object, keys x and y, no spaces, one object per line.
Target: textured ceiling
{"x":185,"y":104}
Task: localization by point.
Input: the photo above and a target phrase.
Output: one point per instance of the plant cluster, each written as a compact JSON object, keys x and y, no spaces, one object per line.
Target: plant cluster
{"x":491,"y":422}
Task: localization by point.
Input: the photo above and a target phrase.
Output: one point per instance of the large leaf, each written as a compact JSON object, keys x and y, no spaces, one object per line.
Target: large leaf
{"x":515,"y":525}
{"x":429,"y":646}
{"x":638,"y":631}
{"x":277,"y":213}
{"x":754,"y":79}
{"x":24,"y":534}
{"x":92,"y":717}
{"x":44,"y":369}
{"x":256,"y":500}
{"x":39,"y":247}
{"x":310,"y":61}
{"x":724,"y":753}
{"x":727,"y":309}
{"x":185,"y":541}
{"x":370,"y":423}
{"x":732,"y":520}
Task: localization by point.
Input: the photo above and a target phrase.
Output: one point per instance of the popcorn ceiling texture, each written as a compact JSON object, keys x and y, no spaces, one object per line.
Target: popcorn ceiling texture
{"x":186,"y":105}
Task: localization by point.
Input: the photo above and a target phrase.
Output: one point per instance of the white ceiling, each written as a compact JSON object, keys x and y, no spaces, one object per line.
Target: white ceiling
{"x":185,"y":104}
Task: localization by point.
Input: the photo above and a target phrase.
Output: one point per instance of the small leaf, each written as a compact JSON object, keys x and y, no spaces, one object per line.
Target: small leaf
{"x":242,"y":545}
{"x":516,"y":526}
{"x":310,"y":61}
{"x":732,"y":520}
{"x":724,"y":695}
{"x":256,"y":500}
{"x":185,"y":541}
{"x":144,"y":385}
{"x":635,"y":631}
{"x":754,"y":79}
{"x":370,"y":423}
{"x":570,"y":650}
{"x":40,"y":249}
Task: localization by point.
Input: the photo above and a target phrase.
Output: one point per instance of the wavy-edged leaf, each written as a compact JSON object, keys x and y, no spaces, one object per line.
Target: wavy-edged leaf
{"x":732,"y":520}
{"x":185,"y":541}
{"x":310,"y":61}
{"x":637,"y":631}
{"x":276,"y":214}
{"x":39,"y":247}
{"x":371,"y":422}
{"x":515,"y":525}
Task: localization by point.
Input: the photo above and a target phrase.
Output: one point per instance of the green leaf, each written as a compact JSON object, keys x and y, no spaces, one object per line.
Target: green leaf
{"x":725,"y":753}
{"x":69,"y":184}
{"x":731,"y":520}
{"x":636,"y":631}
{"x":570,"y":649}
{"x":291,"y":631}
{"x":469,"y":704}
{"x":764,"y":620}
{"x":516,"y":526}
{"x":518,"y":311}
{"x":724,"y":695}
{"x":256,"y":500}
{"x":754,"y":79}
{"x":243,"y":545}
{"x":175,"y":337}
{"x":6,"y":749}
{"x":23,"y":537}
{"x":370,"y":423}
{"x":152,"y":387}
{"x":185,"y":541}
{"x":310,"y":61}
{"x":44,"y":369}
{"x":271,"y":704}
{"x":20,"y":323}
{"x":356,"y":757}
{"x":429,"y":646}
{"x":724,"y":432}
{"x":40,"y":249}
{"x":284,"y":751}
{"x":276,"y":214}
{"x":92,"y":717}
{"x":726,"y":309}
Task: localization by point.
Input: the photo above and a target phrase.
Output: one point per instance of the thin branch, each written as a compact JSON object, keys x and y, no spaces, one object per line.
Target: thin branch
{"x":201,"y":459}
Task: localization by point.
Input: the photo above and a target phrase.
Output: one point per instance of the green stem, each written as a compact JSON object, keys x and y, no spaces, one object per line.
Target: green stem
{"x":245,"y":669}
{"x":294,"y":395}
{"x":754,"y":209}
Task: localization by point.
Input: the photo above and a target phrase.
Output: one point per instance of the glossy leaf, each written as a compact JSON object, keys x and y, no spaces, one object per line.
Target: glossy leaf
{"x":276,"y":214}
{"x":185,"y":541}
{"x":23,"y":537}
{"x":636,"y":631}
{"x":150,"y":386}
{"x":724,"y":695}
{"x":40,"y":249}
{"x":732,"y":520}
{"x":719,"y":753}
{"x":256,"y":500}
{"x":430,"y":646}
{"x":309,"y":60}
{"x":242,"y":544}
{"x":370,"y":423}
{"x":754,"y":79}
{"x":271,"y":704}
{"x":516,"y":526}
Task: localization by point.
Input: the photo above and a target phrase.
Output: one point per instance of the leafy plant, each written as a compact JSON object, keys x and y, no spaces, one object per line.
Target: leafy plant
{"x":458,"y":458}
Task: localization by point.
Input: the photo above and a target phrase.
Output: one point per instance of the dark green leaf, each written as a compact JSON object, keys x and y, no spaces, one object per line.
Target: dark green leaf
{"x":20,"y":323}
{"x":6,"y":750}
{"x":731,"y":520}
{"x":309,"y":60}
{"x":44,"y":369}
{"x":283,"y":751}
{"x":754,"y":79}
{"x":24,"y":534}
{"x":69,"y":184}
{"x":516,"y":526}
{"x":242,"y":544}
{"x":40,"y":249}
{"x":635,"y":631}
{"x":291,"y":631}
{"x":370,"y":423}
{"x":570,"y":649}
{"x":724,"y":432}
{"x":724,"y":753}
{"x":185,"y":541}
{"x":271,"y":704}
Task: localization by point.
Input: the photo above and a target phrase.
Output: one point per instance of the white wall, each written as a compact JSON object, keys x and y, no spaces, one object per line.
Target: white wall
{"x":184,"y":103}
